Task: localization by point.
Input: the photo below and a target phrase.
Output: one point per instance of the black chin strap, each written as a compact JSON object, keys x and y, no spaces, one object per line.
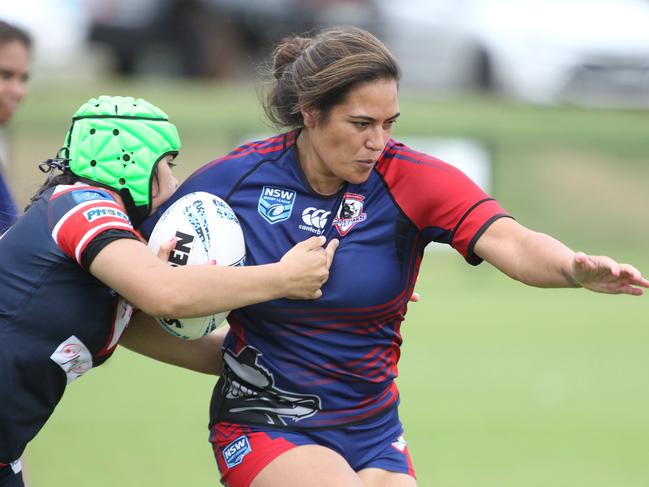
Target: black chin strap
{"x":50,"y":166}
{"x":137,"y":214}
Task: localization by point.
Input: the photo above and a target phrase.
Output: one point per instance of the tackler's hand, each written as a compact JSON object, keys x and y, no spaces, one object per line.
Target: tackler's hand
{"x":165,"y":249}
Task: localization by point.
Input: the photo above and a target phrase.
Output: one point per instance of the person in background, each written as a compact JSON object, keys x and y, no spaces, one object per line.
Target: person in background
{"x":74,"y":267}
{"x":15,"y":50}
{"x":307,"y":396}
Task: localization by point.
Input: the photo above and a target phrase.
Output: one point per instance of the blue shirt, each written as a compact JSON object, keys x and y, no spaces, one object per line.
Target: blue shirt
{"x":332,"y":361}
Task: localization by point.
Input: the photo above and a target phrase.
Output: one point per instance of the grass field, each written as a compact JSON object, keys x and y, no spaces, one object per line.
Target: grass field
{"x":502,"y":385}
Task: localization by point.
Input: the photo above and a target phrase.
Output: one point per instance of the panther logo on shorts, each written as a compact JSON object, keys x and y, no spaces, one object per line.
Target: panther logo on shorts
{"x":249,"y":392}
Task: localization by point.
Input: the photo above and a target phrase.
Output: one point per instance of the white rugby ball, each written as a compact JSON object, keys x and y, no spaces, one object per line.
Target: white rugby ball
{"x":206,"y":230}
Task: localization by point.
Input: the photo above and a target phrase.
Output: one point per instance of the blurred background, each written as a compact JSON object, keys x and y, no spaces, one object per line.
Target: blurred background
{"x":544,"y":103}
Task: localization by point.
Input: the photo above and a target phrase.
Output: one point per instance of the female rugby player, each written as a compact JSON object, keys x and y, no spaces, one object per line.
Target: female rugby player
{"x":307,"y":396}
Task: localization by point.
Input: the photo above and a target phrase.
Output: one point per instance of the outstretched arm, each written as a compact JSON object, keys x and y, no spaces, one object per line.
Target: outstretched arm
{"x":539,"y":260}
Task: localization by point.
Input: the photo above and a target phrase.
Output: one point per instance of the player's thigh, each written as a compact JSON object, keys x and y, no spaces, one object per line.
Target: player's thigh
{"x":308,"y":466}
{"x":376,"y":477}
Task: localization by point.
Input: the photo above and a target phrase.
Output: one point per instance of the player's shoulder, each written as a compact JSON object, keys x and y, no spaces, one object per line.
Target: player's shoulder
{"x":246,"y":156}
{"x":76,"y":194}
{"x":223,"y":175}
{"x":398,"y":155}
{"x":82,"y":202}
{"x":400,"y":163}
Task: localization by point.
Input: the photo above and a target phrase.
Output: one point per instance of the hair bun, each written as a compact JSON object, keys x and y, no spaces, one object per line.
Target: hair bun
{"x":288,"y":50}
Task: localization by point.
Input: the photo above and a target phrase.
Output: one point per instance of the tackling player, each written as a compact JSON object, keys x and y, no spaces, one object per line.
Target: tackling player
{"x":74,"y":267}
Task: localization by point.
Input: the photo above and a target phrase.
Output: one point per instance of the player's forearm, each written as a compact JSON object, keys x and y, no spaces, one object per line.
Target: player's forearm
{"x":531,"y":257}
{"x":203,"y":290}
{"x":543,"y":261}
{"x":142,"y":279}
{"x":146,"y":337}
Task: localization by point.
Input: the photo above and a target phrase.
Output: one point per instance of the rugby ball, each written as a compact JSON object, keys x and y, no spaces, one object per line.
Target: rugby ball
{"x":206,"y":230}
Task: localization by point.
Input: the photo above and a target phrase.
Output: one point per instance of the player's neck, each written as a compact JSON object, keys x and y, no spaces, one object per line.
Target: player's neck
{"x":319,"y":177}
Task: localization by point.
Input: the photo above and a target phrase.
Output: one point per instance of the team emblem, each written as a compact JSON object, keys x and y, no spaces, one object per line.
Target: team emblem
{"x":350,"y":213}
{"x":233,"y":453}
{"x":275,"y":204}
{"x":254,"y":395}
{"x":73,"y":357}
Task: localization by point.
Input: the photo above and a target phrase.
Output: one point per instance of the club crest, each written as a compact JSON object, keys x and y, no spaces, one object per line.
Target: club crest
{"x":350,"y":213}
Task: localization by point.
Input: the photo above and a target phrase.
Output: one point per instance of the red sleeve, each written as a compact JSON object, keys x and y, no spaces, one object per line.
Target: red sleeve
{"x":442,"y":202}
{"x":81,"y":222}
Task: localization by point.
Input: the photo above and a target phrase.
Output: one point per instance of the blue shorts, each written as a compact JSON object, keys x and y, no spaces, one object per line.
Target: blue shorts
{"x":11,"y":475}
{"x":242,"y":451}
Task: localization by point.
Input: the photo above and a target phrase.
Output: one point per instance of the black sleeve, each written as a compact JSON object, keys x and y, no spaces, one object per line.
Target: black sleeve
{"x":100,"y":241}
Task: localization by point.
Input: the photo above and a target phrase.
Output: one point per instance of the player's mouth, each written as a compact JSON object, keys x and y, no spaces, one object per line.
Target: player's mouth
{"x":366,"y":162}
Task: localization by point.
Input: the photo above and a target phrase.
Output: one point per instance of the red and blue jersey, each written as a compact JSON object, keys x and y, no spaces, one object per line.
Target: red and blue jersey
{"x":332,"y":361}
{"x":56,"y":320}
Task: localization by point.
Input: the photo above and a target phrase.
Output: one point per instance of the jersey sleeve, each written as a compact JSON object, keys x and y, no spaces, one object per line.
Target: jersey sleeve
{"x":444,"y":204}
{"x":100,"y":241}
{"x":78,"y":215}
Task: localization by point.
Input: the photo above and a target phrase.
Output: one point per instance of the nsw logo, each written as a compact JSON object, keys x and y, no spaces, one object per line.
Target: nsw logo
{"x":276,"y":204}
{"x":233,"y":453}
{"x":315,"y":220}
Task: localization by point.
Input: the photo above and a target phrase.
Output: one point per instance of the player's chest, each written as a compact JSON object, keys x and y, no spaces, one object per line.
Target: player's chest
{"x":368,"y":268}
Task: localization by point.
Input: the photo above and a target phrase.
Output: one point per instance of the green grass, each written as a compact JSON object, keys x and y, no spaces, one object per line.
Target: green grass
{"x":502,"y":385}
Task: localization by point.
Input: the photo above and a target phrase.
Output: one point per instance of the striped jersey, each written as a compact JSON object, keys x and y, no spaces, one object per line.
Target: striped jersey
{"x":56,"y":320}
{"x":332,"y":361}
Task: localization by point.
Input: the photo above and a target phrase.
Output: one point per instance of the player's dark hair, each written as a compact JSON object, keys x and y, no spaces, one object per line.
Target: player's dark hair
{"x":51,"y":181}
{"x":67,"y":177}
{"x":9,"y":32}
{"x":318,"y":72}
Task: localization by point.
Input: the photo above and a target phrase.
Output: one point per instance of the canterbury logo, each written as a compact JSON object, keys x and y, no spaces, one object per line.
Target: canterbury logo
{"x":314,"y":217}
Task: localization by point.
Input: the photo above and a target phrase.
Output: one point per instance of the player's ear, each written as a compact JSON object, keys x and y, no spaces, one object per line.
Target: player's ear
{"x":310,"y":116}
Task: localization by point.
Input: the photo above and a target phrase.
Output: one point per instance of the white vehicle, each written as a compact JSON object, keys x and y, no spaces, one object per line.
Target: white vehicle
{"x":589,"y":52}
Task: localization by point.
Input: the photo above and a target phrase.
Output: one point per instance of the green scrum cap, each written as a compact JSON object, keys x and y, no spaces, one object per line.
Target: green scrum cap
{"x":117,"y":141}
